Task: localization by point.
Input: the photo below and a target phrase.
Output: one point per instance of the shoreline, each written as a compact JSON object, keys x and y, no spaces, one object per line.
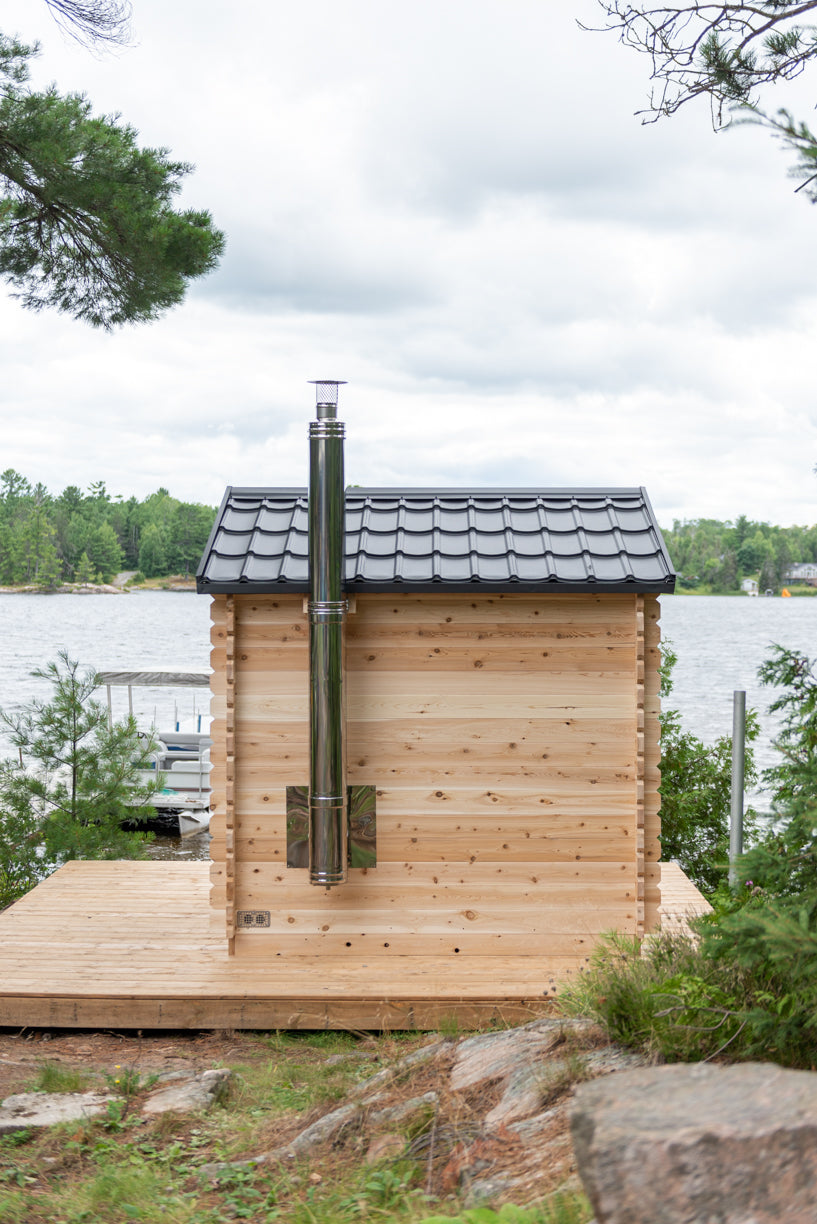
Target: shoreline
{"x":102,"y":588}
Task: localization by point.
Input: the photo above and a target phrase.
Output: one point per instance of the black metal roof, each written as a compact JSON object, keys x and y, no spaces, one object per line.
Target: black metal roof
{"x":428,"y":539}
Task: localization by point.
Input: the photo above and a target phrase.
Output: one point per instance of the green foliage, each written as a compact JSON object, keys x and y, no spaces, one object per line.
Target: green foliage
{"x":54,"y":1077}
{"x":715,"y":555}
{"x":774,"y":938}
{"x":696,"y":785}
{"x":152,"y":552}
{"x":127,"y":1081}
{"x":85,"y":571}
{"x":46,"y":540}
{"x":121,"y":1166}
{"x":749,"y":984}
{"x":73,"y":782}
{"x":189,"y":530}
{"x":685,"y":999}
{"x":104,"y":552}
{"x":86,"y":223}
{"x":664,"y":997}
{"x":784,"y":864}
{"x":29,"y":551}
{"x":774,"y":946}
{"x":563,"y":1208}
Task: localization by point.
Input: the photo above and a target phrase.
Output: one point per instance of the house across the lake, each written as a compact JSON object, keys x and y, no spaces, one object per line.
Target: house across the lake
{"x":805,"y":572}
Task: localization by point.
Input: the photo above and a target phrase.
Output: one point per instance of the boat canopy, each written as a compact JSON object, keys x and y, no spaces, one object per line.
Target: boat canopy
{"x":155,"y":676}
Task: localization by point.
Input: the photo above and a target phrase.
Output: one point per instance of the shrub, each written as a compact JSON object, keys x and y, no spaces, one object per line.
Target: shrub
{"x":72,"y":784}
{"x":748,"y":985}
{"x":696,"y":784}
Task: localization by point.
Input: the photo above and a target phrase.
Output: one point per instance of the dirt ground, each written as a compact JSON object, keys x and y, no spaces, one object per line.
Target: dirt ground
{"x":22,"y":1051}
{"x":461,"y":1149}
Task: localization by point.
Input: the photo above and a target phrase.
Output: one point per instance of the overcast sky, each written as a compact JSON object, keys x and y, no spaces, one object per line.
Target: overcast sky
{"x":450,"y":205}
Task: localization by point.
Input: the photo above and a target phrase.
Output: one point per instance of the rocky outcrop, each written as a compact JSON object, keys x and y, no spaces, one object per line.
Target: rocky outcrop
{"x":178,"y":1093}
{"x":491,"y":1122}
{"x":699,"y":1144}
{"x":39,"y":1109}
{"x":188,"y":1094}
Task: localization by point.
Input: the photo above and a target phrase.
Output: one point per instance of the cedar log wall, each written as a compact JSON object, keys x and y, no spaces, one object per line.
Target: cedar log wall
{"x":514,"y":744}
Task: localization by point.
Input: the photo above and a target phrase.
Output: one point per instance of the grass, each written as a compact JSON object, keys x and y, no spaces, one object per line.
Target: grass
{"x":560,"y":1208}
{"x":665,"y":997}
{"x":54,"y":1077}
{"x":180,"y":1169}
{"x":560,"y":1077}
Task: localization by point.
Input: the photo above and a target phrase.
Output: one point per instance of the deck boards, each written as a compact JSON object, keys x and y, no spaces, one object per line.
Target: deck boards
{"x":136,"y":945}
{"x":680,"y":898}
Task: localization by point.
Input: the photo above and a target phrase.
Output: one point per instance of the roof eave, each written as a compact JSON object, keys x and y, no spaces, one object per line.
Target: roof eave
{"x":625,"y":587}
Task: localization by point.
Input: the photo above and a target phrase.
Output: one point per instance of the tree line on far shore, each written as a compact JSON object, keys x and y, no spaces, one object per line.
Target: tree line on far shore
{"x":76,"y":536}
{"x":91,"y":536}
{"x":716,"y":556}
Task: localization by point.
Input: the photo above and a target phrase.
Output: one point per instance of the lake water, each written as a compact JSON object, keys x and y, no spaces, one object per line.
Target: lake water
{"x":160,"y":628}
{"x":720,"y":642}
{"x":145,"y":628}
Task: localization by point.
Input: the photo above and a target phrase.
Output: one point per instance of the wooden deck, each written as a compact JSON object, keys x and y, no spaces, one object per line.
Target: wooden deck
{"x":136,"y":946}
{"x":680,"y":899}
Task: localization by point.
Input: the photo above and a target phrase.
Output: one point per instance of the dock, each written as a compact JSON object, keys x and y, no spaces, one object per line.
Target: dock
{"x":136,"y":945}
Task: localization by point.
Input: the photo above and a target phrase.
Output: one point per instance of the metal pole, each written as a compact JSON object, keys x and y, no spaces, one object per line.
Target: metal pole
{"x":738,"y":759}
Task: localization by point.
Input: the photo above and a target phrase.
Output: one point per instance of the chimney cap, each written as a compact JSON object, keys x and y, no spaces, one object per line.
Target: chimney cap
{"x":326,"y":391}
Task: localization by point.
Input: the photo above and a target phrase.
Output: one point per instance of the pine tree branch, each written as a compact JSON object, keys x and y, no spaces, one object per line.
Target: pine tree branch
{"x":725,"y":51}
{"x":93,"y":22}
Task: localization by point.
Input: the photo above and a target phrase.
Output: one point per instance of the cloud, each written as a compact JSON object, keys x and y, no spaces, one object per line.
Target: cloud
{"x":453,"y":207}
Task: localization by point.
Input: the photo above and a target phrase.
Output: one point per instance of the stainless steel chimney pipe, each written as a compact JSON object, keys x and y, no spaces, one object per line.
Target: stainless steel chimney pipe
{"x":328,"y":815}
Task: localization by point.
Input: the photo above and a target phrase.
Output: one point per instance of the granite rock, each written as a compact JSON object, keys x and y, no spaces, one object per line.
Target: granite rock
{"x":188,"y":1095}
{"x":37,"y":1109}
{"x":699,"y":1144}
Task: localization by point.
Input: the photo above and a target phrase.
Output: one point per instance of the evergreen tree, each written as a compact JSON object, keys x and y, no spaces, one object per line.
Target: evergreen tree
{"x":96,"y":524}
{"x":76,"y":537}
{"x":190,"y":530}
{"x":152,"y":552}
{"x":86,"y":222}
{"x":35,"y":551}
{"x":768,"y":575}
{"x":104,"y":551}
{"x":747,"y":988}
{"x":13,"y":488}
{"x":72,"y":784}
{"x":782,"y":559}
{"x":773,"y":939}
{"x":85,"y":571}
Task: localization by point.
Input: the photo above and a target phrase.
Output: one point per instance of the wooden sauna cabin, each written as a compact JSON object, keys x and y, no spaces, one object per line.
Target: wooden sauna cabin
{"x":501,"y":733}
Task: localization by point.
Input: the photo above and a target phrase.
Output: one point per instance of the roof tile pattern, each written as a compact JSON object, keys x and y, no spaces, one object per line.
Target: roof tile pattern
{"x":419,"y":539}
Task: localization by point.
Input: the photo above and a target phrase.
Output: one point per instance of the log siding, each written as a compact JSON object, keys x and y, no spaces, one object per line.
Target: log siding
{"x":512,"y":740}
